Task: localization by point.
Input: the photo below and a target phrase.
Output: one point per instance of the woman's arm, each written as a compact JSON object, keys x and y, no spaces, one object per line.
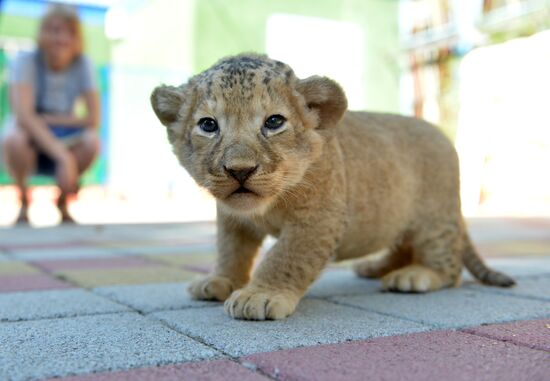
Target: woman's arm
{"x":22,"y":97}
{"x":91,"y":120}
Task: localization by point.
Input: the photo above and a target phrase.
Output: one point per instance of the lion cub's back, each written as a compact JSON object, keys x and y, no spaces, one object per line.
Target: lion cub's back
{"x":412,"y":140}
{"x":410,"y":155}
{"x":379,"y":127}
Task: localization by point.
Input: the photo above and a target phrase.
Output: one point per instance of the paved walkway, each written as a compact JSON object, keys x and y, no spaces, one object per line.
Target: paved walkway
{"x":108,"y":303}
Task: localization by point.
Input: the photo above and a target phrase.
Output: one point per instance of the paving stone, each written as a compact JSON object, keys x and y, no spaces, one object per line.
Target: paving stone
{"x":92,"y":263}
{"x":184,"y":259}
{"x":105,"y":277}
{"x":342,"y":282}
{"x":30,"y":282}
{"x":43,"y":245}
{"x":515,"y":267}
{"x":21,"y":237}
{"x":84,"y":344}
{"x":52,"y":304}
{"x":202,"y":269}
{"x":314,"y":322}
{"x":204,"y":370}
{"x":163,"y":250}
{"x":533,"y":333}
{"x":518,"y":267}
{"x":16,"y":267}
{"x":445,"y":355}
{"x":152,"y":297}
{"x":522,"y":266}
{"x":533,"y":287}
{"x":114,"y":254}
{"x":161,"y":233}
{"x":522,"y":247}
{"x":62,"y":253}
{"x":451,"y":308}
{"x":144,"y":241}
{"x":499,"y":230}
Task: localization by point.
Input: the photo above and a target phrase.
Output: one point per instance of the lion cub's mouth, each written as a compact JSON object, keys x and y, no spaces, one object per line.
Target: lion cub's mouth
{"x":243,"y":190}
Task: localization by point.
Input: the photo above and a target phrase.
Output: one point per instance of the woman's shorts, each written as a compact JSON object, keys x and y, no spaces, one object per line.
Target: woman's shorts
{"x":68,"y":135}
{"x":44,"y":164}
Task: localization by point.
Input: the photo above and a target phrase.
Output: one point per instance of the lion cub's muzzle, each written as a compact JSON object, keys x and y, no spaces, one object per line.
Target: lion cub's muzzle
{"x":241,"y":174}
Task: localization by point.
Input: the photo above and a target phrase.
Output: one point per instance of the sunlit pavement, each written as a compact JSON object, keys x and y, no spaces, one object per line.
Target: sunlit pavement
{"x":100,"y":205}
{"x":108,"y":302}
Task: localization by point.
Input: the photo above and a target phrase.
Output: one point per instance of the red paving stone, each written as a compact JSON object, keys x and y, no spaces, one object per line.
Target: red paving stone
{"x":92,"y":263}
{"x":532,"y":334}
{"x":214,"y":370}
{"x":30,"y":282}
{"x":443,"y":355}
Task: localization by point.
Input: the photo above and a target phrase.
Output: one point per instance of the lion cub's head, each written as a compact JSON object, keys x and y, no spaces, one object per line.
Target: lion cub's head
{"x":247,"y":129}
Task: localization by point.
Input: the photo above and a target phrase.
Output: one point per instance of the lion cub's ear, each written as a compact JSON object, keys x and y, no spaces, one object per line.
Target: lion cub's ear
{"x":167,"y":102}
{"x":326,"y":97}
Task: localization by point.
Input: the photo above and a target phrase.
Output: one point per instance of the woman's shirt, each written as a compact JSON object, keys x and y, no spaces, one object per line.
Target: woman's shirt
{"x":55,"y":91}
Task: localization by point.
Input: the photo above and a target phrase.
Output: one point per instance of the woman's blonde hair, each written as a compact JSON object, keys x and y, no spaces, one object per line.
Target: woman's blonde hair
{"x":70,"y":16}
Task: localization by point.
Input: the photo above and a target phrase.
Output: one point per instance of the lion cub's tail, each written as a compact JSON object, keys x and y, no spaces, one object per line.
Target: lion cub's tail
{"x":479,"y":269}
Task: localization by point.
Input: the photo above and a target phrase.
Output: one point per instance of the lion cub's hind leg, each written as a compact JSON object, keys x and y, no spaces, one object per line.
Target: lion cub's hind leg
{"x":378,"y":264}
{"x":436,"y":261}
{"x":412,"y":278}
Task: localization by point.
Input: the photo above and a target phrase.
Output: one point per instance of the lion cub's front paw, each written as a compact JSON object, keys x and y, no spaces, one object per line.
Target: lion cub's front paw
{"x":413,"y":278}
{"x":253,"y":303}
{"x":211,"y":287}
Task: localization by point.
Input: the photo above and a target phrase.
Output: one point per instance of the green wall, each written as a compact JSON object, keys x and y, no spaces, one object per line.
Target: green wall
{"x":229,"y":27}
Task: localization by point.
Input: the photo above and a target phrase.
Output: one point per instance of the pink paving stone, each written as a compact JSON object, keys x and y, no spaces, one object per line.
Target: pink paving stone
{"x":30,"y":282}
{"x":533,"y":333}
{"x":443,"y":355}
{"x":215,"y":370}
{"x":92,"y":263}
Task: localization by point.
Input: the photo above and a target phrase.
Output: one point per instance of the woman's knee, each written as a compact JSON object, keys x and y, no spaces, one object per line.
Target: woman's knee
{"x":86,"y":150}
{"x":19,"y":155}
{"x":90,"y":143}
{"x":17,"y":144}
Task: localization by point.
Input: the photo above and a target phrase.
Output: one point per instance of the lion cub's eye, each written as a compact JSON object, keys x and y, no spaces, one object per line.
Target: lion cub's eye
{"x":274,"y":122}
{"x":208,"y":125}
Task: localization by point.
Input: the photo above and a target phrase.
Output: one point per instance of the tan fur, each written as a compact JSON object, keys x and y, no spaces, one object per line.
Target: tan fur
{"x":329,"y":184}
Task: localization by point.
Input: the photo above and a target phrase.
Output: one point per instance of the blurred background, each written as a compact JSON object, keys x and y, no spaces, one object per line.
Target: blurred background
{"x":480,"y":69}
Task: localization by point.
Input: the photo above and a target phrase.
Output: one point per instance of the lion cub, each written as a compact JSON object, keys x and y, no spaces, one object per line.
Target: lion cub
{"x":283,"y":157}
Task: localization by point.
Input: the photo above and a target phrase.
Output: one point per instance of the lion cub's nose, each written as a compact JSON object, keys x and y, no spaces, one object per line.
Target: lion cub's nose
{"x":240,"y":174}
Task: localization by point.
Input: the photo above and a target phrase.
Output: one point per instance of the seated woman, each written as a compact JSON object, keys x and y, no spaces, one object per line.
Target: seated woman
{"x":45,"y":137}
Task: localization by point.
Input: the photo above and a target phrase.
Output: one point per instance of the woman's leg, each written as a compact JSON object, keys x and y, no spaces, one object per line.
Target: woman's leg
{"x":20,"y":159}
{"x":84,"y":153}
